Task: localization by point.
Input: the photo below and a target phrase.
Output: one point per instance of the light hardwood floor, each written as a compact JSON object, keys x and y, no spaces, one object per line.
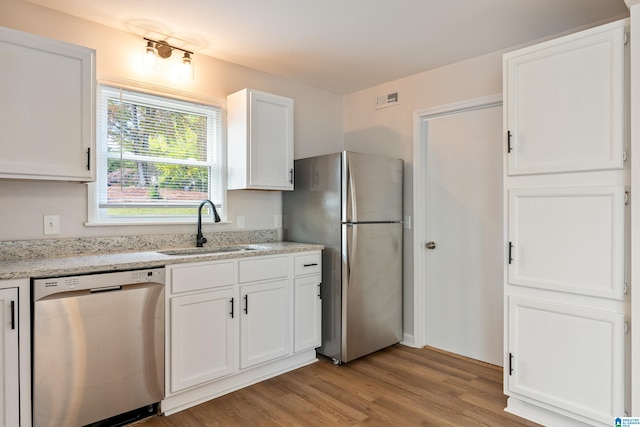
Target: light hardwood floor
{"x":398,"y":386}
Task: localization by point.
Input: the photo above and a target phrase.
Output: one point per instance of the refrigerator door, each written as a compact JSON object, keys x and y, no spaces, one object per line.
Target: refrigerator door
{"x":371,"y":288}
{"x":372,"y":188}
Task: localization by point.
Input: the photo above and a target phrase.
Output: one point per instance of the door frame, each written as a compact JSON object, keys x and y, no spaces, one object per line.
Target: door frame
{"x":420,"y":119}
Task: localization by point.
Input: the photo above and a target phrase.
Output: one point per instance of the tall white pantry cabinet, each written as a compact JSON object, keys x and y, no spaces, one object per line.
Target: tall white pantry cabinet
{"x":566,"y":259}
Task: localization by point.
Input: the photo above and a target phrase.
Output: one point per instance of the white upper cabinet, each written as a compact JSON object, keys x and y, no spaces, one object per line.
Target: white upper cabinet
{"x":565,"y":101}
{"x":47,"y":108}
{"x":259,"y":141}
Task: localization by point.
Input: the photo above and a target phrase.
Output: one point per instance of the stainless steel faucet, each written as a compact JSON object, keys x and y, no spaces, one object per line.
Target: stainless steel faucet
{"x":200,"y":239}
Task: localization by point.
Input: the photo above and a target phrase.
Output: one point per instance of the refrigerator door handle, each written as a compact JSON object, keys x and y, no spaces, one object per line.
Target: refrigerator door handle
{"x":350,"y":251}
{"x":351,"y":194}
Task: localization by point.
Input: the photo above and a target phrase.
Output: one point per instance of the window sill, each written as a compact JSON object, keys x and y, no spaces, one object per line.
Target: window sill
{"x":169,"y":222}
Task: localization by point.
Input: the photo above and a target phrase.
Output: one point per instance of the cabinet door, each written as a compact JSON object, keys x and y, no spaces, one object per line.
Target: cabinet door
{"x":202,"y":338}
{"x":307,"y":313}
{"x":271,"y":141}
{"x":565,"y":102}
{"x":260,"y":141}
{"x":265,"y":322}
{"x":568,"y":239}
{"x":567,"y":356}
{"x":47,"y":113}
{"x":9,"y":391}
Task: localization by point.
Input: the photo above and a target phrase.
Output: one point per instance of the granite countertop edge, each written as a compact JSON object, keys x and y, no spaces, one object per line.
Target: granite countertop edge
{"x":73,"y":265}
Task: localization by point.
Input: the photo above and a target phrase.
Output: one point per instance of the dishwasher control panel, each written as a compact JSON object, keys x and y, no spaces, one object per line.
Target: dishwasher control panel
{"x":146,"y":276}
{"x":54,"y":285}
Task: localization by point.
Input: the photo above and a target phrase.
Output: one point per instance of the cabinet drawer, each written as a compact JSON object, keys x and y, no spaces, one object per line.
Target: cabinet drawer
{"x":201,"y":276}
{"x":307,"y":264}
{"x":251,"y":270}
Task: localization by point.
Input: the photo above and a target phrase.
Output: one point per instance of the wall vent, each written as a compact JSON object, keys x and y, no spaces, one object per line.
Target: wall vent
{"x":388,"y":100}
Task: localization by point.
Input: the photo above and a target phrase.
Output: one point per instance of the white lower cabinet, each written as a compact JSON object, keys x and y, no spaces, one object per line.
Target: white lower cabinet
{"x":202,"y":334}
{"x":308,"y":301}
{"x":231,"y":323}
{"x":9,"y":359}
{"x":265,"y":322}
{"x":568,"y":357}
{"x":308,"y":312}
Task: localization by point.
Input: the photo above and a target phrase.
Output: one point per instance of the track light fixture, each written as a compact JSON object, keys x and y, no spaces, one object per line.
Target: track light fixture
{"x":163,"y":49}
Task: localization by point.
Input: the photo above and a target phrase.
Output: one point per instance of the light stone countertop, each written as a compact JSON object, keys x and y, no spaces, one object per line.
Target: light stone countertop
{"x":83,"y":264}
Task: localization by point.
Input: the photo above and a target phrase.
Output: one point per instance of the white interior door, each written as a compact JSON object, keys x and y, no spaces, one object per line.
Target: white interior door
{"x":464,"y":221}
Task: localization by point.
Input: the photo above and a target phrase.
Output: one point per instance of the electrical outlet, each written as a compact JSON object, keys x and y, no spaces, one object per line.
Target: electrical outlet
{"x":51,"y":224}
{"x":240,"y":222}
{"x":278,"y":221}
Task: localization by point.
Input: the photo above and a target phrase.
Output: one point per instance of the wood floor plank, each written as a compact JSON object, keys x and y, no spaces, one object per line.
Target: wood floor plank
{"x":397,"y":386}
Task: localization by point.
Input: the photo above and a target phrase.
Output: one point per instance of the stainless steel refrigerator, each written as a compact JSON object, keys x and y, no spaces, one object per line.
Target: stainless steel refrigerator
{"x":352,"y":204}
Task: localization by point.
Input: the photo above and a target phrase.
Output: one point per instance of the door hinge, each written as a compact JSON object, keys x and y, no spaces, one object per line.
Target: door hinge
{"x":624,"y":155}
{"x":626,"y":198}
{"x":626,"y":38}
{"x":510,"y":252}
{"x":626,"y":327}
{"x":290,"y":176}
{"x":508,"y":141}
{"x":625,"y":288}
{"x":510,"y":363}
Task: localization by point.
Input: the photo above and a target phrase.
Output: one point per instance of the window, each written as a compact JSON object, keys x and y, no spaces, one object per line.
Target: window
{"x":157,"y":158}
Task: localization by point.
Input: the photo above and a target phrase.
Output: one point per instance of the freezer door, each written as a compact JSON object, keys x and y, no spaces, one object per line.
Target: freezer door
{"x":371,"y":288}
{"x":312,"y":210}
{"x":372,"y":186}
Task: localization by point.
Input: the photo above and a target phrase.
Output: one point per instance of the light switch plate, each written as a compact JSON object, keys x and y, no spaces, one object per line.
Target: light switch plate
{"x":278,"y":221}
{"x":240,"y":222}
{"x":51,"y":224}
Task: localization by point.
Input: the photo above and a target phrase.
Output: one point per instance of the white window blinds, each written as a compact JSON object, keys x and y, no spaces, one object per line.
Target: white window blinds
{"x":156,"y":152}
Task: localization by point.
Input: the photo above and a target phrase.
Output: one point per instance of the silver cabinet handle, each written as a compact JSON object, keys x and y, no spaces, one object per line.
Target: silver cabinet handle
{"x":430,"y":245}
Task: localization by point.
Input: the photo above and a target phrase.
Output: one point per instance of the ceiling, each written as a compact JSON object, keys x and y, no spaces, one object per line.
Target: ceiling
{"x":343,"y":45}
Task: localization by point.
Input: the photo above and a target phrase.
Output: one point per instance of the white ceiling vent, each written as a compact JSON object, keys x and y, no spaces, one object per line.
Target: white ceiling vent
{"x":388,"y":100}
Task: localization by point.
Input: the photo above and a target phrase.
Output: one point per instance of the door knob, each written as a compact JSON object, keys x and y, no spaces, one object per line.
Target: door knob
{"x":430,"y":245}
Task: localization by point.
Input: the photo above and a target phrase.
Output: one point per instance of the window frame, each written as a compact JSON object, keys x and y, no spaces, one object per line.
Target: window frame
{"x":163,"y":97}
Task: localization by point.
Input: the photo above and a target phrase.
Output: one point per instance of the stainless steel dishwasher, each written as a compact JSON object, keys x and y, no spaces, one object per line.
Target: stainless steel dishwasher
{"x":98,"y":347}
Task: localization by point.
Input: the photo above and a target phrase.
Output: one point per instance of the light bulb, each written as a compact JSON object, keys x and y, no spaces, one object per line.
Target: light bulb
{"x":187,"y":67}
{"x":149,"y":58}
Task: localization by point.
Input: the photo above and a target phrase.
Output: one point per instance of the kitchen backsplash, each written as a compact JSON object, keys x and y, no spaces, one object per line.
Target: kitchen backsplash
{"x":54,"y":248}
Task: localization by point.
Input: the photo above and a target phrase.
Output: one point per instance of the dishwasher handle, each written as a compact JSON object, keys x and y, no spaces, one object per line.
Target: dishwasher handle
{"x":105,"y":289}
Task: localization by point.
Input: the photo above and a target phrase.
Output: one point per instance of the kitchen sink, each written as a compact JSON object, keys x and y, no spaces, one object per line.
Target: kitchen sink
{"x":212,"y":250}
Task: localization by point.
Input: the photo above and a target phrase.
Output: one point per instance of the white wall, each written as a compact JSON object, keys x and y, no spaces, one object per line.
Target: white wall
{"x":389,"y":131}
{"x":318,"y":127}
